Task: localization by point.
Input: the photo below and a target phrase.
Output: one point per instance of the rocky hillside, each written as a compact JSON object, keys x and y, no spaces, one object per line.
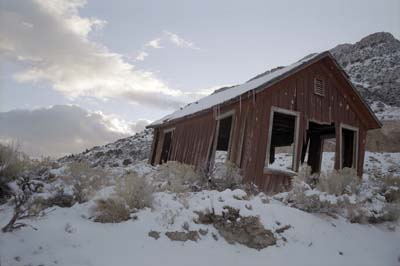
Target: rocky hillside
{"x":373,"y":65}
{"x":119,"y":153}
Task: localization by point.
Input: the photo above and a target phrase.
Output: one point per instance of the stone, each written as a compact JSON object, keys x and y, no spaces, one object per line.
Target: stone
{"x":154,"y":234}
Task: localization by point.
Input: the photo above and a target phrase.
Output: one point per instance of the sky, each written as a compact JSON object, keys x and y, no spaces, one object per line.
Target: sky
{"x":90,"y":72}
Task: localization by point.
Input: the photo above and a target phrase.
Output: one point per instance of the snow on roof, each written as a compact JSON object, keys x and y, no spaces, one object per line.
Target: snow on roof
{"x":229,"y":94}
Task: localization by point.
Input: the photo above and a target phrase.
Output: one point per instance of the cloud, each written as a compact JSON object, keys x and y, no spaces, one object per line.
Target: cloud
{"x":154,"y":43}
{"x":50,"y":39}
{"x":63,"y":129}
{"x":179,"y":41}
{"x":158,"y":100}
{"x":165,"y":37}
{"x":140,"y":125}
{"x":141,"y":56}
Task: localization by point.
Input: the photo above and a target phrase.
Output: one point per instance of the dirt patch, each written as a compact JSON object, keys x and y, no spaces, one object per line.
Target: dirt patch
{"x":183,"y":236}
{"x":234,"y":228}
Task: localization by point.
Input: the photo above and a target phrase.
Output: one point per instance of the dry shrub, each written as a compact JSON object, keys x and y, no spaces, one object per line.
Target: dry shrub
{"x":85,"y":180}
{"x":390,"y":187}
{"x":341,"y":192}
{"x":226,"y":175}
{"x":111,"y":210}
{"x":339,"y":182}
{"x":300,"y":198}
{"x":12,"y":161}
{"x":391,"y":212}
{"x":24,"y":204}
{"x":178,"y":177}
{"x":12,"y":164}
{"x":42,"y":166}
{"x":59,"y":199}
{"x":135,"y":191}
{"x":354,"y":211}
{"x":132,"y":192}
{"x":304,"y":175}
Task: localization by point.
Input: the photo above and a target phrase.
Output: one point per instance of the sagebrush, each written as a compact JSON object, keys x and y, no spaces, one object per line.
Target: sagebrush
{"x":225,"y":175}
{"x":86,"y":180}
{"x":178,"y":177}
{"x":339,"y":182}
{"x":111,"y":210}
{"x":342,"y":192}
{"x":135,"y":191}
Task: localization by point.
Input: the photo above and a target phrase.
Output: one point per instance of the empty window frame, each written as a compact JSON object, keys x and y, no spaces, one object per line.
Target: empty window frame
{"x":167,"y":145}
{"x":319,"y":86}
{"x":282,"y":140}
{"x":348,"y":146}
{"x":223,"y":137}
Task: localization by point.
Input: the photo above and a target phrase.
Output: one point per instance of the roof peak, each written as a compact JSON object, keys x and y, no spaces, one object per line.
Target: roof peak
{"x":227,"y":94}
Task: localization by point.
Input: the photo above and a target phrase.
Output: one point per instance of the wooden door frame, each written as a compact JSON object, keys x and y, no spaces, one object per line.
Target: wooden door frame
{"x":355,"y":145}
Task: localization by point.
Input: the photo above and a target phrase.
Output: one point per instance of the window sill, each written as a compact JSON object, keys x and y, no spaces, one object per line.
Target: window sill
{"x":288,"y":172}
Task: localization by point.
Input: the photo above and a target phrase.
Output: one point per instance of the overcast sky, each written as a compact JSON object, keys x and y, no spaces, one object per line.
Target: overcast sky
{"x":118,"y":62}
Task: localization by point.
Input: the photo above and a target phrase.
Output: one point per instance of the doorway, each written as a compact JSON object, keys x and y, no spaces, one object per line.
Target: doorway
{"x":166,"y":147}
{"x":348,"y":147}
{"x":319,"y":149}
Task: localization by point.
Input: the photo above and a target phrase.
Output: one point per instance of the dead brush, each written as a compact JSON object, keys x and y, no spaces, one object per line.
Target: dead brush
{"x":339,"y":182}
{"x":390,"y":187}
{"x":111,"y":210}
{"x":135,"y":191}
{"x":178,"y":177}
{"x":226,"y":176}
{"x":86,"y":180}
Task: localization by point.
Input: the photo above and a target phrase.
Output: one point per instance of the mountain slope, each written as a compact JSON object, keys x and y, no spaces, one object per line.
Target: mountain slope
{"x":373,"y":65}
{"x":119,"y":153}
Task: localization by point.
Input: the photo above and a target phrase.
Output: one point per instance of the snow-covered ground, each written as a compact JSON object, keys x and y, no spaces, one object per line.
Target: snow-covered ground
{"x":66,"y":236}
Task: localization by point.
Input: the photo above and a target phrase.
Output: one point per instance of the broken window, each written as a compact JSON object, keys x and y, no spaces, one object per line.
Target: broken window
{"x":224,"y":127}
{"x":319,"y":148}
{"x":166,"y":147}
{"x":348,"y":147}
{"x":282,"y":140}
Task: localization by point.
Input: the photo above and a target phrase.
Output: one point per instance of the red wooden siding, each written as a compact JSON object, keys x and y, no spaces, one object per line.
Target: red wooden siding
{"x":194,"y":136}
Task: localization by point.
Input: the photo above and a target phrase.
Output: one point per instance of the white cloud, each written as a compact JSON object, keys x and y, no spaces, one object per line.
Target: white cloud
{"x":167,"y":36}
{"x":156,"y":43}
{"x":179,"y":41}
{"x":63,"y":129}
{"x":51,"y":40}
{"x":141,"y":56}
{"x":140,"y":125}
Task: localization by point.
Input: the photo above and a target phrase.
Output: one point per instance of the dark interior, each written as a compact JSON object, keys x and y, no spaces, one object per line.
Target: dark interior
{"x":166,"y":148}
{"x":347,"y":147}
{"x":153,"y":156}
{"x":224,"y":133}
{"x":316,"y":134}
{"x":283,"y":127}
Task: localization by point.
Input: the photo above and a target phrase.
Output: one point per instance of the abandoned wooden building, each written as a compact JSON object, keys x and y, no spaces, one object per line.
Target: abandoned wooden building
{"x":272,"y":124}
